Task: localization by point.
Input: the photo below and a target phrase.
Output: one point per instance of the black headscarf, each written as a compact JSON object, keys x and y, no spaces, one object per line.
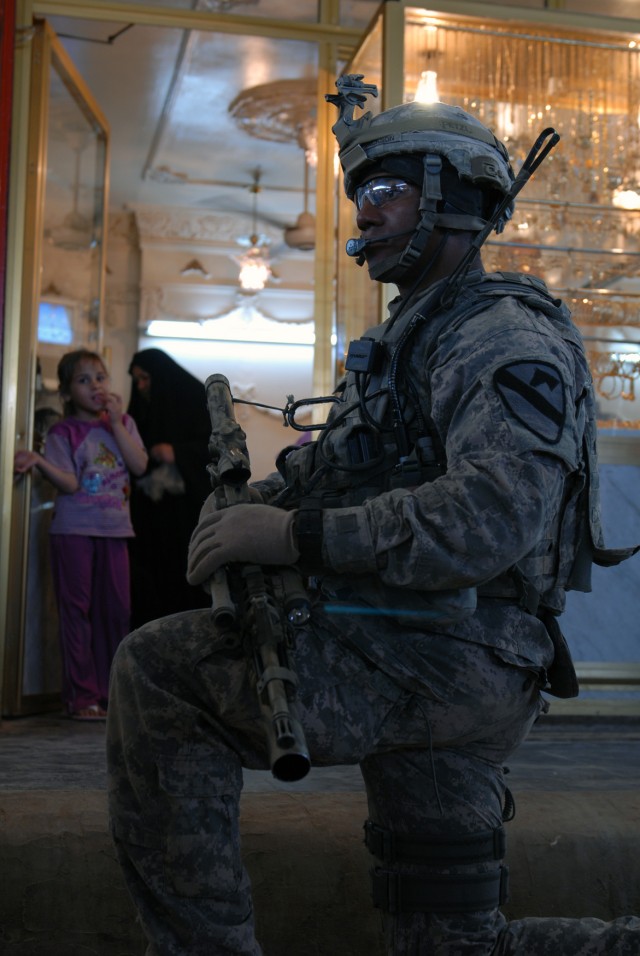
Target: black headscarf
{"x":175,"y":399}
{"x":175,"y":412}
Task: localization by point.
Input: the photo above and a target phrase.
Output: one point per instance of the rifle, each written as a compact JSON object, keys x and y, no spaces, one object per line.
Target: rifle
{"x":269,"y":603}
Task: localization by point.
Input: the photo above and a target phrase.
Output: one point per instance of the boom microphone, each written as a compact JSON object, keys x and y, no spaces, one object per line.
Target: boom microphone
{"x":355,"y":247}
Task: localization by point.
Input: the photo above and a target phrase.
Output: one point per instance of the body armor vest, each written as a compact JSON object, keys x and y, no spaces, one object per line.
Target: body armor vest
{"x":378,"y":438}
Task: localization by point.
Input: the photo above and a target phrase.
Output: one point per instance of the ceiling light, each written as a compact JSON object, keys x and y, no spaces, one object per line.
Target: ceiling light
{"x":427,"y":89}
{"x":626,"y":198}
{"x":255,"y":271}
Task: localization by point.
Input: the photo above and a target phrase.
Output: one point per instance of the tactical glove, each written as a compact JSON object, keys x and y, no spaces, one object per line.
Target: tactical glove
{"x":241,"y":534}
{"x":216,"y":501}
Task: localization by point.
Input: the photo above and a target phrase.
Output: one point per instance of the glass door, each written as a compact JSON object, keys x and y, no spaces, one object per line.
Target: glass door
{"x":62,"y":305}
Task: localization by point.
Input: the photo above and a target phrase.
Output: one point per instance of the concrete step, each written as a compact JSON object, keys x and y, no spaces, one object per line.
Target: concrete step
{"x":571,"y":853}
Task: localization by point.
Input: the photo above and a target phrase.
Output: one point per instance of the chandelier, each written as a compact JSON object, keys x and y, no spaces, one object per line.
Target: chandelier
{"x":255,"y":270}
{"x":577,"y":226}
{"x":282,"y":111}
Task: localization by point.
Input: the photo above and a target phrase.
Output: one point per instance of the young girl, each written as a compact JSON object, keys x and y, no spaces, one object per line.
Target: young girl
{"x":88,"y":456}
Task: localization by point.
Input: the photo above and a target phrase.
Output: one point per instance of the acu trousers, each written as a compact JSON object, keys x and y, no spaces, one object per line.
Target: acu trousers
{"x":431,"y":729}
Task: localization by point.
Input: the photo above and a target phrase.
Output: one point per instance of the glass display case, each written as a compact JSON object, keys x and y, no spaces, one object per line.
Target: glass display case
{"x":577,"y":222}
{"x":576,"y":225}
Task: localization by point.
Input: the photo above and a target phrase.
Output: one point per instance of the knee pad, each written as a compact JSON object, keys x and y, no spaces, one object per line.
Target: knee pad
{"x":396,"y":891}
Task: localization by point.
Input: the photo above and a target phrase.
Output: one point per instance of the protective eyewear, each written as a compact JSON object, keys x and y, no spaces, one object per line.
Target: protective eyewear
{"x":380,"y":191}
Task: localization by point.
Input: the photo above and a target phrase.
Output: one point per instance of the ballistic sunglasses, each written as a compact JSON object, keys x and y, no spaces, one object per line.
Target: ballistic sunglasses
{"x":380,"y":191}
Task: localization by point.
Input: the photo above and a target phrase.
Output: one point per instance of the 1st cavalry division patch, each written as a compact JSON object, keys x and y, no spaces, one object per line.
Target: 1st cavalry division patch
{"x":534,"y":394}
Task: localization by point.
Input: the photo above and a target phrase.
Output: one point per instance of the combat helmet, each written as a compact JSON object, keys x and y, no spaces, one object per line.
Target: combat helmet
{"x":464,"y":171}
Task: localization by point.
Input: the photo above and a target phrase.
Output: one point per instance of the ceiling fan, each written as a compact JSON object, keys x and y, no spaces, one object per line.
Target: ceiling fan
{"x":302,"y":235}
{"x":299,"y":235}
{"x":76,"y":230}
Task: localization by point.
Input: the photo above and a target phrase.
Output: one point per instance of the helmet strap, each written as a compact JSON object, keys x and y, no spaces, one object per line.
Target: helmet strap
{"x":396,"y":266}
{"x":400,"y":263}
{"x":431,"y":189}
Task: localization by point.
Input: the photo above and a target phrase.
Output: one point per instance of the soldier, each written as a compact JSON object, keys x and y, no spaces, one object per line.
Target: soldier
{"x":447,"y":505}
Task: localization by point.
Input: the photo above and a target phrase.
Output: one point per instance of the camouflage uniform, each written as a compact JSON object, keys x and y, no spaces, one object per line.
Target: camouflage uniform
{"x":396,"y":670}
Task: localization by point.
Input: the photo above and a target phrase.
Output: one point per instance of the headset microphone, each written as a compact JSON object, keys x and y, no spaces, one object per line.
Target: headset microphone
{"x":355,"y":247}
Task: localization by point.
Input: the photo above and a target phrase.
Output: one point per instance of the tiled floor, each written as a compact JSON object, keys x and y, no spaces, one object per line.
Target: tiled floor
{"x":51,"y":752}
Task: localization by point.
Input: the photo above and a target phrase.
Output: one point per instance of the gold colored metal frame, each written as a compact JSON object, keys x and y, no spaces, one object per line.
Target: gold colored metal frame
{"x":40,"y":56}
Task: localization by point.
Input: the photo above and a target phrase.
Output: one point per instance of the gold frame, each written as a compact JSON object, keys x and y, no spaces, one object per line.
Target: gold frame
{"x":332,"y":40}
{"x":47,"y":57}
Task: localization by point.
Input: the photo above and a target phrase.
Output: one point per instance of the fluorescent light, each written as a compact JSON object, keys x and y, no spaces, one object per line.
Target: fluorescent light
{"x":270,"y":364}
{"x":235,"y":327}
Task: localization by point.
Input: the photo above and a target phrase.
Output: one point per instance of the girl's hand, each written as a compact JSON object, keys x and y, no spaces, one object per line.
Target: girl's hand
{"x":24,"y":461}
{"x":64,"y":481}
{"x":113,"y":408}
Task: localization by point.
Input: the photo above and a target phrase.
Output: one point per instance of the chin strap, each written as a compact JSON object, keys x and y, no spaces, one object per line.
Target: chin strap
{"x":399,"y":264}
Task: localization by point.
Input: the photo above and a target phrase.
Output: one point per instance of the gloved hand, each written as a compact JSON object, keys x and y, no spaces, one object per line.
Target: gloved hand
{"x":214,"y":503}
{"x":245,"y":534}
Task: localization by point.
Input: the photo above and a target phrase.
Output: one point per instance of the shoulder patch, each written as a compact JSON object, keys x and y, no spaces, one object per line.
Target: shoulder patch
{"x":534,"y":394}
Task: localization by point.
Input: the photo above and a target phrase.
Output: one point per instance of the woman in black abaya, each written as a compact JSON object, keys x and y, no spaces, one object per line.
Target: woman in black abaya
{"x":169,"y":407}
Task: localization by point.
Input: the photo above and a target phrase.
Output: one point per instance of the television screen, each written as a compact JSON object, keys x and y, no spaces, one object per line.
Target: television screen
{"x":55,"y":323}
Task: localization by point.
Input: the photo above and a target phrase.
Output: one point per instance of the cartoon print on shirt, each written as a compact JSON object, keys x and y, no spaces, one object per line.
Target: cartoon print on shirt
{"x":106,"y":457}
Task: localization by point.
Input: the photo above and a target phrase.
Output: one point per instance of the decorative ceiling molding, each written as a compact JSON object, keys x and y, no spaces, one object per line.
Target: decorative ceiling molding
{"x":195,"y":268}
{"x":171,"y":302}
{"x":122,"y":225}
{"x":282,"y":111}
{"x":159,"y":223}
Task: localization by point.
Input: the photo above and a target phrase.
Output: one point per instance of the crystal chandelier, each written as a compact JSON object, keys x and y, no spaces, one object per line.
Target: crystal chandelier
{"x":279,"y":112}
{"x":255,"y":270}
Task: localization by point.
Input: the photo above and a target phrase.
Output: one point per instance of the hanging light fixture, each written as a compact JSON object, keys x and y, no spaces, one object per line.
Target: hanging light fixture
{"x":427,"y":89}
{"x":255,"y":270}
